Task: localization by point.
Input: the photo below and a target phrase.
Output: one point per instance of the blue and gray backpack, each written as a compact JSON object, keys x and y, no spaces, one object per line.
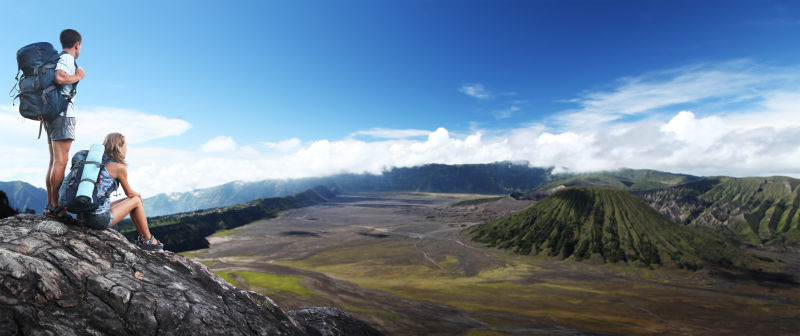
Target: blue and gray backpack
{"x":39,"y":96}
{"x":78,"y":191}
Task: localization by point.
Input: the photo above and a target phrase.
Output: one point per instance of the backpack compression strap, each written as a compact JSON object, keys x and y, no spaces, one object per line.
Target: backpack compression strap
{"x":71,"y":94}
{"x":16,"y":85}
{"x":99,"y":167}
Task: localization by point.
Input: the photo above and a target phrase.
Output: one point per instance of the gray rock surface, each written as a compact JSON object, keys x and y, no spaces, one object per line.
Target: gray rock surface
{"x":327,"y":321}
{"x":65,"y":280}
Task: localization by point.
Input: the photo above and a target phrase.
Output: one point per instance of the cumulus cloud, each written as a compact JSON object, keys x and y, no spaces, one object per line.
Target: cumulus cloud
{"x":475,"y":91}
{"x":25,"y":157}
{"x":684,"y":143}
{"x":219,"y":144}
{"x":743,"y":120}
{"x":731,"y":85}
{"x":138,"y":127}
{"x":727,"y":122}
{"x":288,"y":145}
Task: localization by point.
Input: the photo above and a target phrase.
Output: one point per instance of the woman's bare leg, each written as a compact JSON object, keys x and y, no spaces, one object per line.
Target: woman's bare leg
{"x":135,"y":208}
{"x":114,"y":205}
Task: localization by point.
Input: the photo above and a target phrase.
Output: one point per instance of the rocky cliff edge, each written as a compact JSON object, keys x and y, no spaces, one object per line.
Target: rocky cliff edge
{"x":65,"y":280}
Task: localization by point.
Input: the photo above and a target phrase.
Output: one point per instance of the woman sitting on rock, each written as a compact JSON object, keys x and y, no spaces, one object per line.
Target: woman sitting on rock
{"x":113,"y":174}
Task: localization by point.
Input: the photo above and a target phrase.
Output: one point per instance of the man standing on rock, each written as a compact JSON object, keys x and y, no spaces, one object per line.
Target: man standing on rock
{"x":61,"y":130}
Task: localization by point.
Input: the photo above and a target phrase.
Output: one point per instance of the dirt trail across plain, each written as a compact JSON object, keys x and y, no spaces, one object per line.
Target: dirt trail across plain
{"x":402,"y":262}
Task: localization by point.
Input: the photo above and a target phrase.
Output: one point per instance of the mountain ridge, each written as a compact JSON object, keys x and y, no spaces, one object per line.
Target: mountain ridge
{"x":624,"y":178}
{"x":491,"y":178}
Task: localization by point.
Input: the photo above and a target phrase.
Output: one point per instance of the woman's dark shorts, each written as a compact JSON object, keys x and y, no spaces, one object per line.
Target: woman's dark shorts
{"x":98,"y":221}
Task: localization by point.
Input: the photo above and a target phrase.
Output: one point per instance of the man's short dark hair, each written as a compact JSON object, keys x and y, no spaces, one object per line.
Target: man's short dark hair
{"x":69,"y":37}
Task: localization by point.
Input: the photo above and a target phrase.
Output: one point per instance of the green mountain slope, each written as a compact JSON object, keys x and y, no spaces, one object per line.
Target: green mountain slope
{"x":612,"y":225}
{"x":752,"y":209}
{"x":624,"y":179}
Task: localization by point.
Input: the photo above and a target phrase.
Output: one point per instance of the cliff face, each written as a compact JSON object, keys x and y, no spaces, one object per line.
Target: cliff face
{"x":753,"y":209}
{"x":65,"y":280}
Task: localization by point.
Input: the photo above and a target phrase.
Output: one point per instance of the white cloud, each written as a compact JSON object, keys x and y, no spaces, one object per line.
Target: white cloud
{"x":505,"y":114}
{"x":288,"y":145}
{"x":219,"y":144}
{"x":475,"y":91}
{"x":731,"y":85}
{"x":758,"y":138}
{"x":684,"y":143}
{"x":25,"y":157}
{"x":137,"y":127}
{"x":385,"y":133}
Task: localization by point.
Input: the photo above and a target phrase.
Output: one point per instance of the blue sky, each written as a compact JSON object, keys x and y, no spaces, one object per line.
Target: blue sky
{"x":303,"y":88}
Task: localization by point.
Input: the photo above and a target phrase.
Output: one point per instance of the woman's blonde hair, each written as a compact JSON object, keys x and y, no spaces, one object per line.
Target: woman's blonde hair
{"x":114,"y":143}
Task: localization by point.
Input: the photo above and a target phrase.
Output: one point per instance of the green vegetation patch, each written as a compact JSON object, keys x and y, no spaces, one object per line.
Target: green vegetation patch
{"x":224,"y":233}
{"x":268,"y":282}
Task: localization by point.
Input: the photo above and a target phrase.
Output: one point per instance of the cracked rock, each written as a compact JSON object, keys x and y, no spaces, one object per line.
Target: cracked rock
{"x":57,"y":279}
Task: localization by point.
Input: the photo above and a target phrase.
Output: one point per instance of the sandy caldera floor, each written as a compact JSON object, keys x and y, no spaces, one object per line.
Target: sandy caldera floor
{"x":402,"y":262}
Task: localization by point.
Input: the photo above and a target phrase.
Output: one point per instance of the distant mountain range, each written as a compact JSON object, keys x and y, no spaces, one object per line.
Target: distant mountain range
{"x":224,"y":195}
{"x":493,"y":178}
{"x":22,"y":196}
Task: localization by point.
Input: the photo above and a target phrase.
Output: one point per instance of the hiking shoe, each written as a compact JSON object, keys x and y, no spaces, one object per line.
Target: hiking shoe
{"x":56,"y":214}
{"x":148,"y":244}
{"x":51,"y":211}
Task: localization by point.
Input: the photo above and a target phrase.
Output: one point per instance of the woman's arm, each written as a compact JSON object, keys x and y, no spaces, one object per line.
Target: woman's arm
{"x":120,"y":172}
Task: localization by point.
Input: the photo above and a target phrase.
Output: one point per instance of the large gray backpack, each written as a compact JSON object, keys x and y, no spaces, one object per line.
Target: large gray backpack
{"x":39,"y":96}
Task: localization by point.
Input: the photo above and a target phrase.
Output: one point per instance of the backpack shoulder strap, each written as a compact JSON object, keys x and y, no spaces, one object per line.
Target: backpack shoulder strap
{"x":115,"y":184}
